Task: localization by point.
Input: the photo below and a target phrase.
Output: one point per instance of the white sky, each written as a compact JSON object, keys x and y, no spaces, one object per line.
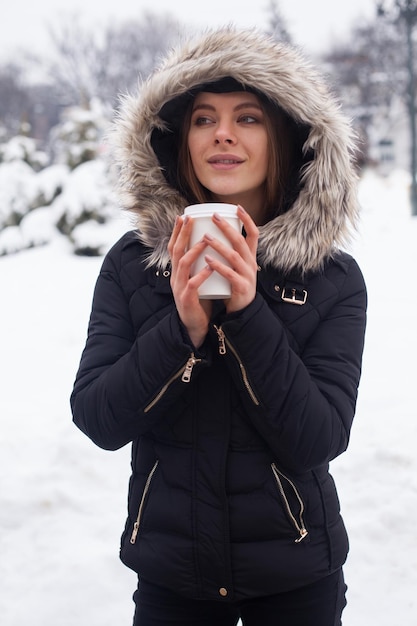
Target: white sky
{"x":313,"y":24}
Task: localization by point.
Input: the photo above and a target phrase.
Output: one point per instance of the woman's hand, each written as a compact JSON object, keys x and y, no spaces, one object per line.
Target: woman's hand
{"x":194,"y":313}
{"x":242,"y":273}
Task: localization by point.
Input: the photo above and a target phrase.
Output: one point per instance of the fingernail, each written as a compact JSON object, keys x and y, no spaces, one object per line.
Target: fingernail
{"x":208,"y":236}
{"x":186,"y":220}
{"x":217,"y":217}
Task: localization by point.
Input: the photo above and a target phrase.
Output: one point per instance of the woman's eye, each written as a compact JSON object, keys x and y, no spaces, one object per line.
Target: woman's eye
{"x":248,"y":119}
{"x":202,"y":120}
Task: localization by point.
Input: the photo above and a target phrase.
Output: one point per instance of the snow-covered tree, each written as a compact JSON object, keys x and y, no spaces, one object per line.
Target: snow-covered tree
{"x":71,"y":197}
{"x":78,"y":138}
{"x":20,"y":188}
{"x":105,"y":60}
{"x":23,"y":148}
{"x":277,"y":26}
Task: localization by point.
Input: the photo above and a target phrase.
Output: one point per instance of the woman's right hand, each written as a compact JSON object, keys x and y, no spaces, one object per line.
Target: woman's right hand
{"x":194,"y":313}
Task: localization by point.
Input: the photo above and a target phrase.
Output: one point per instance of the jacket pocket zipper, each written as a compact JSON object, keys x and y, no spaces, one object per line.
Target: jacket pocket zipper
{"x":223,"y":342}
{"x":299,"y":525}
{"x":185,"y":373}
{"x":141,"y":505}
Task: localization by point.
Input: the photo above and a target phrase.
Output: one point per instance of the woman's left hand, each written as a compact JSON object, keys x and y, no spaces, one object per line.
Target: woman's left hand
{"x":242,"y":273}
{"x":194,"y":313}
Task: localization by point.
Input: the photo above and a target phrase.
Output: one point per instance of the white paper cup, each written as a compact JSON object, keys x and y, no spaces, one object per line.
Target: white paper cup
{"x":215,"y":287}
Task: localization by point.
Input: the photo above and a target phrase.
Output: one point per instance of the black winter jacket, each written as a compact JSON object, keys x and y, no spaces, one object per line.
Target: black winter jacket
{"x":230,"y":495}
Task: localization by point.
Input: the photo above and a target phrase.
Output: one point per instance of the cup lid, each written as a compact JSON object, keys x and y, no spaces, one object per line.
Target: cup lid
{"x":208,"y":208}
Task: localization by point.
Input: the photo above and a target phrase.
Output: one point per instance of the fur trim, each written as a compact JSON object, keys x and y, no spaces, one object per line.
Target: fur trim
{"x":323,"y":214}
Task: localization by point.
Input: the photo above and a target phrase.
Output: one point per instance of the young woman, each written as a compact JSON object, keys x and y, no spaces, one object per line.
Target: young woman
{"x":234,"y":408}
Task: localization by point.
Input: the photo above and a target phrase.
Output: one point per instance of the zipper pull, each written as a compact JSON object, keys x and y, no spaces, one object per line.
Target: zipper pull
{"x":222,"y":340}
{"x":134,"y":532}
{"x":188,"y":370}
{"x":303,"y":535}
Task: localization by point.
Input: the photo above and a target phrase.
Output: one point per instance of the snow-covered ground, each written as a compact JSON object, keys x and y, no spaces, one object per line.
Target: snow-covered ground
{"x":63,"y":500}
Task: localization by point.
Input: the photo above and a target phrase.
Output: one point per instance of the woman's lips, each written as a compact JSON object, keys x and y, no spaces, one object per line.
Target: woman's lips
{"x":225,"y":162}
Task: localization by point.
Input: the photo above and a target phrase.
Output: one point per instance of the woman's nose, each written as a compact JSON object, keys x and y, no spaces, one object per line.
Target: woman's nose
{"x":224,"y":134}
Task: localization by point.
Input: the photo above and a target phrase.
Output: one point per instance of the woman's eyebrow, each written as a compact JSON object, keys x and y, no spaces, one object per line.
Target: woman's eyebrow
{"x":248,"y":105}
{"x":197,"y":107}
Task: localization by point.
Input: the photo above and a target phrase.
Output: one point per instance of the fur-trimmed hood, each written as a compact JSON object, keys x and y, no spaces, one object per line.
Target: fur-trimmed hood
{"x":321,"y":217}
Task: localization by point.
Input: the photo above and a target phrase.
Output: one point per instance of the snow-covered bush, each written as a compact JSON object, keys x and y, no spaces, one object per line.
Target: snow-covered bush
{"x":22,"y":148}
{"x":17,"y":192}
{"x":87,"y":198}
{"x":11,"y":240}
{"x":23,"y":190}
{"x":79,"y":137}
{"x":73,"y":197}
{"x":50,"y":182}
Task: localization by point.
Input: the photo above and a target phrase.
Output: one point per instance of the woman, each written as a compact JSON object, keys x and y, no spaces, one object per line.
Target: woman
{"x":234,"y":408}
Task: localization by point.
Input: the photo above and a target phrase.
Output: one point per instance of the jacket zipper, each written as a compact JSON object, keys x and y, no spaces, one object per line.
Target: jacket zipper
{"x":142,"y":502}
{"x":299,"y":525}
{"x":185,"y":373}
{"x":223,"y":342}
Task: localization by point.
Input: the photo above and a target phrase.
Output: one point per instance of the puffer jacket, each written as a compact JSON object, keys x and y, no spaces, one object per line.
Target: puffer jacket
{"x":230,"y":495}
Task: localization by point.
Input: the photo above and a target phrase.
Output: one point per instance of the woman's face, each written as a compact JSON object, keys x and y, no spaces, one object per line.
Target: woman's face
{"x":228,"y":146}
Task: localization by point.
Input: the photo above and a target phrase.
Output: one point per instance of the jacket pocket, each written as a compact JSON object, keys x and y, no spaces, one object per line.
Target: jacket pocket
{"x":295,"y":511}
{"x":136,"y":525}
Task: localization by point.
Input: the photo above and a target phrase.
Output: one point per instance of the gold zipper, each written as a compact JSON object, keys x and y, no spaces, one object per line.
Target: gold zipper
{"x":185,"y":373}
{"x":300,"y":527}
{"x":188,"y":370}
{"x":223,"y":342}
{"x":222,"y":339}
{"x":145,"y":492}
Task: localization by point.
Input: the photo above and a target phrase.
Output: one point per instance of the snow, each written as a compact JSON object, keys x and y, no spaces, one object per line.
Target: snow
{"x":19,"y":148}
{"x":87,"y":187}
{"x":63,"y":500}
{"x":80,"y":201}
{"x":23,"y":191}
{"x":17,"y":188}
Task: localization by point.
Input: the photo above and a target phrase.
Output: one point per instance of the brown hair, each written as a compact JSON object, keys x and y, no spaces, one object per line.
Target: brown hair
{"x":282,"y":146}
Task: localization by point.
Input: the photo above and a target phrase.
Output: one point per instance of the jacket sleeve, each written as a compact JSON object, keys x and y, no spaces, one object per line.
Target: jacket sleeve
{"x":303,"y":406}
{"x":120,"y":374}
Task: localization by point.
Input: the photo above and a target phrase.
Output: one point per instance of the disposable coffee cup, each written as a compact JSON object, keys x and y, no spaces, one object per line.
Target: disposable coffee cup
{"x":215,"y":287}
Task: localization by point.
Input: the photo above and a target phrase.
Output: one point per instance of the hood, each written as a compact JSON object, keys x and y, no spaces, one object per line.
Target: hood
{"x":322,"y":215}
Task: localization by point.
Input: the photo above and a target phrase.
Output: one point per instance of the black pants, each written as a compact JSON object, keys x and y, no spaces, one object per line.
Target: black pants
{"x":319,"y":604}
